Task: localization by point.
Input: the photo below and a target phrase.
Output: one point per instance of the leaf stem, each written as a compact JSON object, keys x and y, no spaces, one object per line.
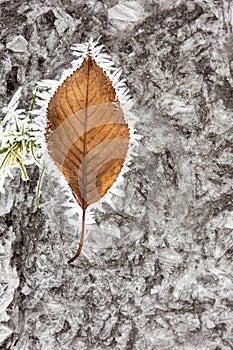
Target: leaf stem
{"x":81,"y":240}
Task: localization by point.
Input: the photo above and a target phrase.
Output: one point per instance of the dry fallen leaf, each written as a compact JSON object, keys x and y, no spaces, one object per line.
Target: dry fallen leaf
{"x":86,"y":134}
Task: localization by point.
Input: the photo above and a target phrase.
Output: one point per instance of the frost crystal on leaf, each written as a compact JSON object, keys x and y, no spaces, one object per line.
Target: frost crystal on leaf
{"x":49,"y":87}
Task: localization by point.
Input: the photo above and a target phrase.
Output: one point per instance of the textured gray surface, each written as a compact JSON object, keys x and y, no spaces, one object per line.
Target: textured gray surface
{"x":156,"y":269}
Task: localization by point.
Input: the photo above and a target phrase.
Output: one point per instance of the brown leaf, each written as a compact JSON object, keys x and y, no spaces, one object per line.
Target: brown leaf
{"x":86,"y":134}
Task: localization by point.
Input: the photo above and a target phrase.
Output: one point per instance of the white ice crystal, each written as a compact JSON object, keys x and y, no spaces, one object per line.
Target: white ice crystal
{"x":17,"y":44}
{"x":124,"y":13}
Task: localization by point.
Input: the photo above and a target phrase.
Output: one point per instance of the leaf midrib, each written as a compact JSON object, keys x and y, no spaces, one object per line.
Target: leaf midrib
{"x":85,"y":135}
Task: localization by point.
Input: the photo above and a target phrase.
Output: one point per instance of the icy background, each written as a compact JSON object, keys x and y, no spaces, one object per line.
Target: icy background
{"x":156,"y":270}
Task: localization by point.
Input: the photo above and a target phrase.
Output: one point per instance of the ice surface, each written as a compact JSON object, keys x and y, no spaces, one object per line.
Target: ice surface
{"x":17,"y":44}
{"x":5,"y":332}
{"x":122,"y":14}
{"x":156,"y":268}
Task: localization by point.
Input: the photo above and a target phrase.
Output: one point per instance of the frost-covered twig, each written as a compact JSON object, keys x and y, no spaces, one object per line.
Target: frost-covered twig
{"x":20,"y":139}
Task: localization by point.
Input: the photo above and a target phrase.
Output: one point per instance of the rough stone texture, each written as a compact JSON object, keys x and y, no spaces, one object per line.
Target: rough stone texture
{"x":156,"y":269}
